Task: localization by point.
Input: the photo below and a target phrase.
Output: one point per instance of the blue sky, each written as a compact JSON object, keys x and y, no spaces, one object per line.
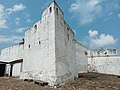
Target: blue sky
{"x":96,"y":23}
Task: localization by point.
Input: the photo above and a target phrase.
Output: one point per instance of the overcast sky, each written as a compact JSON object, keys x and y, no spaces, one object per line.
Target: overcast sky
{"x":96,"y":23}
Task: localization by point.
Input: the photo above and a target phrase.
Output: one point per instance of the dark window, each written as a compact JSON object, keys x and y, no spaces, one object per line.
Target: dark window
{"x":23,"y":40}
{"x":86,"y":53}
{"x":105,"y":53}
{"x":67,"y":28}
{"x":68,"y":36}
{"x":39,"y":42}
{"x":29,"y":45}
{"x":57,"y":11}
{"x":68,"y":33}
{"x":35,"y":27}
{"x":2,"y":69}
{"x":50,"y":9}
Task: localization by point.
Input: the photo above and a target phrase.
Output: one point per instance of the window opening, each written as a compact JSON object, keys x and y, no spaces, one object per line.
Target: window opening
{"x":50,"y":9}
{"x":68,"y":36}
{"x":35,"y":27}
{"x":86,"y":53}
{"x":29,"y":45}
{"x":57,"y":11}
{"x":39,"y":42}
{"x":68,"y":33}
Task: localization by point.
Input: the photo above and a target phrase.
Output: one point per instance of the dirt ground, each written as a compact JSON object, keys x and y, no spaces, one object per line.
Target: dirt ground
{"x":89,"y":81}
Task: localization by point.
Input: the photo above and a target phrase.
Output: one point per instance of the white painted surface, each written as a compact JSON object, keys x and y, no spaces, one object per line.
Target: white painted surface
{"x":65,"y":52}
{"x":12,"y":53}
{"x":17,"y":69}
{"x":107,"y":65}
{"x":81,"y":58}
{"x":7,"y":71}
{"x":39,"y":60}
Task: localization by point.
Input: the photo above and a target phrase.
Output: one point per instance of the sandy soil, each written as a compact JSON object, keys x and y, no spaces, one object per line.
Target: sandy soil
{"x":89,"y":81}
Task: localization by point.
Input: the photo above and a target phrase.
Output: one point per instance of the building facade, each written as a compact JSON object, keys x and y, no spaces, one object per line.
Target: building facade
{"x":49,"y":51}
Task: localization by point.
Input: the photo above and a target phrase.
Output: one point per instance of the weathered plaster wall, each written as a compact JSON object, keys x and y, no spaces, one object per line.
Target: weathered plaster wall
{"x":108,"y":64}
{"x":81,"y":58}
{"x":39,"y":60}
{"x":12,"y":53}
{"x":17,"y":69}
{"x":7,"y":70}
{"x":64,"y":50}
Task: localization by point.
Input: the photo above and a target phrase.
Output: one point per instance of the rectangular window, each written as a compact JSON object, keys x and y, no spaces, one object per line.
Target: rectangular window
{"x":39,"y":42}
{"x":68,"y":36}
{"x":68,"y":33}
{"x":50,"y":9}
{"x":29,"y":46}
{"x":35,"y":28}
{"x":57,"y":11}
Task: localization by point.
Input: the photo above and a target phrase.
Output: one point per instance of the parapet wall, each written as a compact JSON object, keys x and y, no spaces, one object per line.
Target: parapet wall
{"x":12,"y":53}
{"x":106,"y":64}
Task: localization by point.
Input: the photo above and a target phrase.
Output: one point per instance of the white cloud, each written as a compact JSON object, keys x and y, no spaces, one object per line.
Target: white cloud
{"x":106,"y":19}
{"x":119,"y":15}
{"x":4,"y":15}
{"x":20,"y":30}
{"x":86,"y":10}
{"x":28,"y":21}
{"x":3,"y":21}
{"x":17,"y":21}
{"x":27,"y":17}
{"x":15,"y":8}
{"x":93,"y":33}
{"x":97,"y":40}
{"x":10,"y":39}
{"x":110,"y":14}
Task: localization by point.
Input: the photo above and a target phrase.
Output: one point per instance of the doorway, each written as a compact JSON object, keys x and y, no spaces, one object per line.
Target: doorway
{"x":11,"y":70}
{"x":2,"y":69}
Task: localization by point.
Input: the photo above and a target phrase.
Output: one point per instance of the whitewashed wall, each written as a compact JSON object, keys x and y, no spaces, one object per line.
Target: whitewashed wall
{"x":81,"y":58}
{"x":12,"y":53}
{"x":107,"y":65}
{"x":7,"y":70}
{"x":64,"y":51}
{"x":39,"y":60}
{"x":17,"y":69}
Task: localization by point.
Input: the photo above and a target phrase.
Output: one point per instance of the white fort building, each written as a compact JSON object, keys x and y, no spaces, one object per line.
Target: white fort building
{"x":50,"y":53}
